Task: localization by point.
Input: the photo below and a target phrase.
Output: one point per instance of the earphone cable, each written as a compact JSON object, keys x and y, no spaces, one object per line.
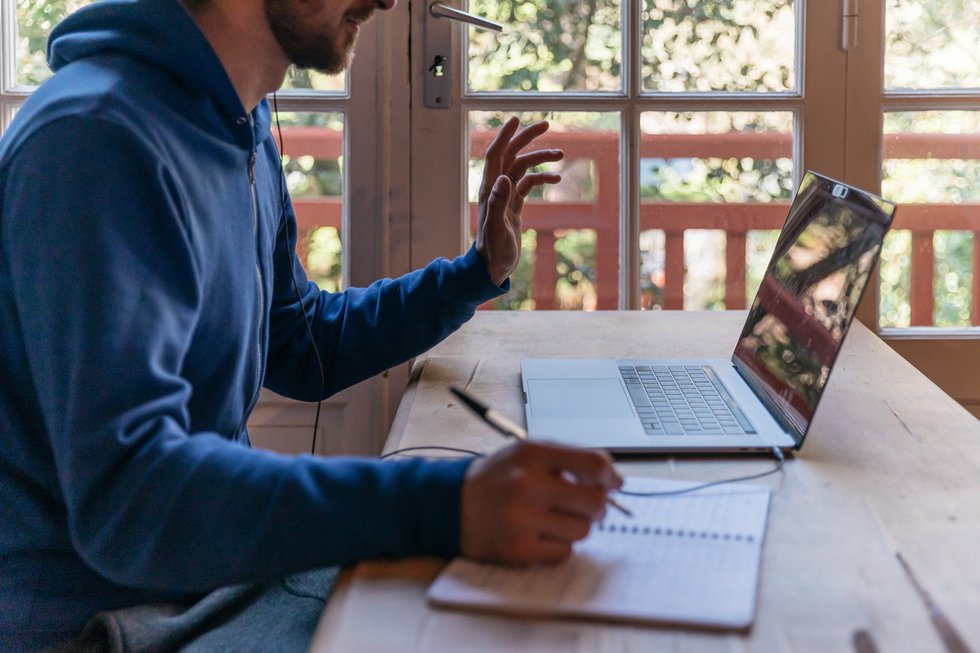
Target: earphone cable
{"x":292,"y":276}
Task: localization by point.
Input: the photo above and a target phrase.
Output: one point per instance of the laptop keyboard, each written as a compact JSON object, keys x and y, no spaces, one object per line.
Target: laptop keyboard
{"x":683,"y":400}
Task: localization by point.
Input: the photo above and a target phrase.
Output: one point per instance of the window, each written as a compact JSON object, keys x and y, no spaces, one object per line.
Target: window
{"x":687,"y":126}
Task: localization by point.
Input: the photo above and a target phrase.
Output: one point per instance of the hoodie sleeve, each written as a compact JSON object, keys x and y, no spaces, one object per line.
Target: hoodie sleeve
{"x":105,"y":286}
{"x":363,"y":331}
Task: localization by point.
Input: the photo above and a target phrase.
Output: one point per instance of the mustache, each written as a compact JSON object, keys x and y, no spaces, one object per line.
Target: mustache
{"x":361,"y":15}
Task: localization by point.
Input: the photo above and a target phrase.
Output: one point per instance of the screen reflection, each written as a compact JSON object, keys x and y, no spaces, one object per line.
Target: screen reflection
{"x":816,"y":276}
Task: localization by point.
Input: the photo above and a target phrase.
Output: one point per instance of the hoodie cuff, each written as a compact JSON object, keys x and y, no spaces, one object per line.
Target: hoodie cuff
{"x":475,"y":285}
{"x":438,"y":489}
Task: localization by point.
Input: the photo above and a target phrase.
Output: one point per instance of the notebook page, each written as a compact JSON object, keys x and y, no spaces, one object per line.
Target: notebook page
{"x":690,"y":558}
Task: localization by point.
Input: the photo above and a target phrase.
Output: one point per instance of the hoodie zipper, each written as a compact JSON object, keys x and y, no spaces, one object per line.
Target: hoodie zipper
{"x":261,"y":287}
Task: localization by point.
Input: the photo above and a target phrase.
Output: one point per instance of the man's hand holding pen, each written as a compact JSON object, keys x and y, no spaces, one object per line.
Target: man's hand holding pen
{"x":530,"y":502}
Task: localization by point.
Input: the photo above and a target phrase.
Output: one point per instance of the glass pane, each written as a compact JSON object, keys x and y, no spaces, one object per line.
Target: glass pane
{"x":894,"y":308}
{"x":313,"y":157}
{"x":953,"y":278}
{"x":932,"y":44}
{"x":311,"y":80}
{"x":735,"y":45}
{"x":35,"y":20}
{"x":712,"y":186}
{"x":547,"y":45}
{"x":759,"y":246}
{"x":932,"y":169}
{"x":571,"y":230}
{"x":704,"y":266}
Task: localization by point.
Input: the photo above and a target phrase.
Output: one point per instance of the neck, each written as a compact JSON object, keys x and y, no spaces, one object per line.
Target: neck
{"x":240,"y":35}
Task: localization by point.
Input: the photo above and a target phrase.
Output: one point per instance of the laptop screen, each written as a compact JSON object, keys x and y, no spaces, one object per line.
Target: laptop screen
{"x":809,"y":294}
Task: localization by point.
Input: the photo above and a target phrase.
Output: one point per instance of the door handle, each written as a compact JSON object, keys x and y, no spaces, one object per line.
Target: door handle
{"x":439,"y":64}
{"x":442,"y":10}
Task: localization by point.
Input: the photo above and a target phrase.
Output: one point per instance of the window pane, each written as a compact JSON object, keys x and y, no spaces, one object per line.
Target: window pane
{"x":546,"y":45}
{"x":313,"y":159}
{"x":311,"y":80}
{"x":35,"y":20}
{"x":713,"y":184}
{"x":736,"y":45}
{"x":953,"y":278}
{"x":894,"y":309}
{"x":932,"y":169}
{"x":932,"y":44}
{"x":571,"y":230}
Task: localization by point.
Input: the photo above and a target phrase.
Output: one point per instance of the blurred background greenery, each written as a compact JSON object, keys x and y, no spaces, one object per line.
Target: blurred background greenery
{"x":687,"y":45}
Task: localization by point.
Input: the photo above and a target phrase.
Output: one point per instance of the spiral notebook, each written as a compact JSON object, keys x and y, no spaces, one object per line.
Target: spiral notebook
{"x":683,"y":559}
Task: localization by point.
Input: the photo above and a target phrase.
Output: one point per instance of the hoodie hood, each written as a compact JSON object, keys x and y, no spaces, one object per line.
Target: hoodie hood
{"x":164,"y":35}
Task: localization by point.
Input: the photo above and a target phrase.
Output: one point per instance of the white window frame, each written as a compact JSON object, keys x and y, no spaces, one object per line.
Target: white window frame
{"x":818,"y":112}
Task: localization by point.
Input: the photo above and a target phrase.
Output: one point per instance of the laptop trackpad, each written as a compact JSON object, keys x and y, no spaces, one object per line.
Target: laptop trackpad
{"x":578,"y":398}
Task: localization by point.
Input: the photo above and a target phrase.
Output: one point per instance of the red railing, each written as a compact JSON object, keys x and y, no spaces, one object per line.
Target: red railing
{"x":601,"y":212}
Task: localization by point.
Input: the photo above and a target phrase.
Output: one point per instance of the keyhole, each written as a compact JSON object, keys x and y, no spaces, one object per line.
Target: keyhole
{"x":437,"y":68}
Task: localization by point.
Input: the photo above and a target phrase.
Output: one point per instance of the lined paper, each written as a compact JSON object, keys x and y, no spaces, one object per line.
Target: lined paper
{"x":691,"y":558}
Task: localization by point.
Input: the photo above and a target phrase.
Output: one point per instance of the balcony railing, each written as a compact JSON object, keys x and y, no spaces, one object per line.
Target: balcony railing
{"x":601,"y":212}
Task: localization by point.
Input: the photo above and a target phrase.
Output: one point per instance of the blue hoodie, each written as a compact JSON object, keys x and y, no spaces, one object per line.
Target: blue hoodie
{"x":145,"y":298}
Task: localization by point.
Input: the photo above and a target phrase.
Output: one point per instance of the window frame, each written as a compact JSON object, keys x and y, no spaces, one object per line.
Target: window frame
{"x":818,"y":125}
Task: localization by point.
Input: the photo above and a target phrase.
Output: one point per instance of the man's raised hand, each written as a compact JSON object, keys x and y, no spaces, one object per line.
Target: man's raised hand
{"x":506,"y":182}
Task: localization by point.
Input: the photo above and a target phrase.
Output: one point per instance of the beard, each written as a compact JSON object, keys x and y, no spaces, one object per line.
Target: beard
{"x":326,"y":49}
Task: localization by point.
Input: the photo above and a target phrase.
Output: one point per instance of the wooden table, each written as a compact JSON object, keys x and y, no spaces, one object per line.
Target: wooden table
{"x":891,"y":464}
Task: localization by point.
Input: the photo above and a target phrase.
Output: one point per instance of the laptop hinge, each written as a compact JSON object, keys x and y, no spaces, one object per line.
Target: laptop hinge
{"x":769,"y":404}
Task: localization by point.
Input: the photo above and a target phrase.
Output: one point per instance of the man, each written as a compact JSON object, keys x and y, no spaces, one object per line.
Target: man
{"x":149,"y":289}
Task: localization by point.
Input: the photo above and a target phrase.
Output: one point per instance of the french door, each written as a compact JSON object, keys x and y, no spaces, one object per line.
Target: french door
{"x":686,"y":127}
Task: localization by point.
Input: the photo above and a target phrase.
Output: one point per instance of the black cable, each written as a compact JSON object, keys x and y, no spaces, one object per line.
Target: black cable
{"x":397,"y":452}
{"x":780,"y":461}
{"x":299,"y":297}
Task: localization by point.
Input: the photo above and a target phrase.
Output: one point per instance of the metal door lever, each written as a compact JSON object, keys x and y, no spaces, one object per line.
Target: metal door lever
{"x":442,"y":10}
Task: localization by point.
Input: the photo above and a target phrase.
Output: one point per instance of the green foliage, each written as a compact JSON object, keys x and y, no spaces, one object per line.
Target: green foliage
{"x":566,"y":45}
{"x":759,"y":246}
{"x":309,"y":177}
{"x":932,"y":44}
{"x":716,"y":180}
{"x":723,"y":45}
{"x":324,"y":259}
{"x":575,"y":286}
{"x":953,"y":278}
{"x":686,"y":45}
{"x":303,"y":79}
{"x":35,"y":20}
{"x":894,"y":308}
{"x":519,"y":298}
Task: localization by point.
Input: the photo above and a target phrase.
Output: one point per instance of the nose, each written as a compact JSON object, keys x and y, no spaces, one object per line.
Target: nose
{"x":385,"y":5}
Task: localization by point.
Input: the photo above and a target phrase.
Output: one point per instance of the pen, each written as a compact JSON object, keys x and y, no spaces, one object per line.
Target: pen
{"x":510,"y":429}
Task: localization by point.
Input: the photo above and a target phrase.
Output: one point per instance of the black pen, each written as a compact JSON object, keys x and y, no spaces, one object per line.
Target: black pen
{"x":510,"y":429}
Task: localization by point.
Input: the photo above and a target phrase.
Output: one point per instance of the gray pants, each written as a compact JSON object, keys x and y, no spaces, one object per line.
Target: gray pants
{"x":278,"y":617}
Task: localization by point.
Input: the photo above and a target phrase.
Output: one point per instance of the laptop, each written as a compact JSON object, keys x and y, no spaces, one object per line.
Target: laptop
{"x":766,"y":395}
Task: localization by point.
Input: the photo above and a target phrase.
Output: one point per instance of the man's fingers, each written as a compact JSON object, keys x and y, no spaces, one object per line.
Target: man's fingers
{"x":564,"y":527}
{"x":563,"y":495}
{"x":528,"y":160}
{"x":499,"y":196}
{"x":497,"y":149}
{"x":588,"y":467}
{"x":524,"y":137}
{"x":542,"y":550}
{"x":528,"y":502}
{"x":528,"y":182}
